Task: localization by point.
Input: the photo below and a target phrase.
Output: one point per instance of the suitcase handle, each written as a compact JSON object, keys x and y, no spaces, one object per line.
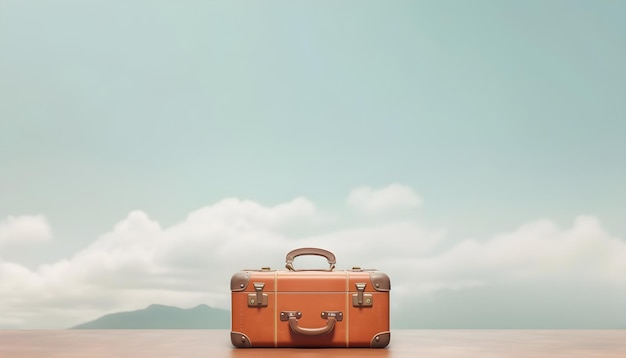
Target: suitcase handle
{"x":291,"y":255}
{"x":330,"y":325}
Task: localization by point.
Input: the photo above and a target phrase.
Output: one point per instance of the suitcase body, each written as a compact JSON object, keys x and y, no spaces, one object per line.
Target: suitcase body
{"x":310,"y":308}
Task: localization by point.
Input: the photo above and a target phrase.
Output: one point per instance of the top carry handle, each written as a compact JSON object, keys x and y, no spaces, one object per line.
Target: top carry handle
{"x":310,"y":251}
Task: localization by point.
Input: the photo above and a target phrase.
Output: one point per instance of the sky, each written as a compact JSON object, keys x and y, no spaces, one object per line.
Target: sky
{"x":474,"y":151}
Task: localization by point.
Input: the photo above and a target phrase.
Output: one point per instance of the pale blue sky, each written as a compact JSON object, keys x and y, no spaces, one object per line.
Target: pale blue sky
{"x":496,"y":113}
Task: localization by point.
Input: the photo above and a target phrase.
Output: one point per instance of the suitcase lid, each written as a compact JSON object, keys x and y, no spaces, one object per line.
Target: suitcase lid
{"x":313,"y":281}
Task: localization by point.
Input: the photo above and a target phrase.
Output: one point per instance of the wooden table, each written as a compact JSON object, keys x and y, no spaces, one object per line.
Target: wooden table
{"x":404,"y":343}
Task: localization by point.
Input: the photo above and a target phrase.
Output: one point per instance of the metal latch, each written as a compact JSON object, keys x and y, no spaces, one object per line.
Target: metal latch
{"x":362,"y":299}
{"x":258,"y":299}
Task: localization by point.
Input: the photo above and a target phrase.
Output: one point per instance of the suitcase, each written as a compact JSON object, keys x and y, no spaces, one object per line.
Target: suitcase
{"x":310,"y":308}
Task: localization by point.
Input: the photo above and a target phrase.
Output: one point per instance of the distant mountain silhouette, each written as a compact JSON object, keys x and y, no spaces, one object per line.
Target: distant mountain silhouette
{"x":163,"y":317}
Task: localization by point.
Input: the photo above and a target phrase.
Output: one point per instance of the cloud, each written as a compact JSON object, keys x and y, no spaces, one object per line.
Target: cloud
{"x":15,"y":230}
{"x":139,"y":262}
{"x":394,"y":196}
{"x":537,"y":250}
{"x":538,"y":275}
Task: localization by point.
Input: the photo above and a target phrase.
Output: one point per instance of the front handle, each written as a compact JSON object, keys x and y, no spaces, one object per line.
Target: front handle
{"x":330,"y":325}
{"x":331,"y":318}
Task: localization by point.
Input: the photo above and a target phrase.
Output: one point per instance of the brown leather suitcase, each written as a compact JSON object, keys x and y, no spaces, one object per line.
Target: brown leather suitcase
{"x":310,"y":308}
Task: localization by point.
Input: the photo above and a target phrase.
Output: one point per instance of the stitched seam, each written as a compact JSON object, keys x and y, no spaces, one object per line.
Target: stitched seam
{"x":347,"y":309}
{"x":275,"y":309}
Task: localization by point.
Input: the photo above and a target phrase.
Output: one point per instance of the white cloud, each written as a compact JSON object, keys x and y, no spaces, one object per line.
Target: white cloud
{"x":373,"y":201}
{"x":139,"y":262}
{"x":538,"y":250}
{"x":24,"y":229}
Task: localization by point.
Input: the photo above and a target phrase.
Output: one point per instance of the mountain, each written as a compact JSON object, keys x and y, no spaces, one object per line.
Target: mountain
{"x":163,"y":317}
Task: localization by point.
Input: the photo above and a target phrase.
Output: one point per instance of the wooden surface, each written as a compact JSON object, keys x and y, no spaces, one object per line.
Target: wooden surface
{"x":404,"y":343}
